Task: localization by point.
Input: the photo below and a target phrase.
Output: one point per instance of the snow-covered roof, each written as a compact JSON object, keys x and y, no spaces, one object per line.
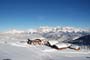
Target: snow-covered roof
{"x":35,"y":36}
{"x":52,"y":42}
{"x":62,"y":45}
{"x":74,"y":46}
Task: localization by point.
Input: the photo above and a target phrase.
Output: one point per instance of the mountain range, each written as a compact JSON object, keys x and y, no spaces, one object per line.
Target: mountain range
{"x":46,"y":29}
{"x":54,"y":33}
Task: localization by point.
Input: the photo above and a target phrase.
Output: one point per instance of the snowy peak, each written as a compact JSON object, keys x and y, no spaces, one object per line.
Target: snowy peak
{"x":31,"y":31}
{"x":47,"y":29}
{"x":44,"y":29}
{"x":70,"y":29}
{"x":60,"y":29}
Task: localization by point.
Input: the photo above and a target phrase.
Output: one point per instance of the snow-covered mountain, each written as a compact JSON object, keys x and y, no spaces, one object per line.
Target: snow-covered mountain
{"x":60,"y":29}
{"x":54,"y":33}
{"x":46,"y":29}
{"x":84,"y":40}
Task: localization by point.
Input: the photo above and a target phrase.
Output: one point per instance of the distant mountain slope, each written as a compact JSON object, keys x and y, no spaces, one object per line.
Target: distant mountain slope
{"x":54,"y":33}
{"x":47,"y":29}
{"x":84,"y":40}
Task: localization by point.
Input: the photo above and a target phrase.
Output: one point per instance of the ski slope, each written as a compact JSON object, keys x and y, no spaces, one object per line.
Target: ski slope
{"x":17,"y":52}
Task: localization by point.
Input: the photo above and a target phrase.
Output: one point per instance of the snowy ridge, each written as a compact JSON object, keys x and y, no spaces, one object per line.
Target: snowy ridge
{"x":46,"y":29}
{"x":53,"y":33}
{"x":61,"y":29}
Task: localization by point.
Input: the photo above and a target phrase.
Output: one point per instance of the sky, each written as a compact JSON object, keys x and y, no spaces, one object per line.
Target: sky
{"x":25,"y":14}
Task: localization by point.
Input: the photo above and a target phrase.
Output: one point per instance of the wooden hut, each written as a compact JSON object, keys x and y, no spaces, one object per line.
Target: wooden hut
{"x":29,"y":41}
{"x":36,"y":39}
{"x":36,"y":42}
